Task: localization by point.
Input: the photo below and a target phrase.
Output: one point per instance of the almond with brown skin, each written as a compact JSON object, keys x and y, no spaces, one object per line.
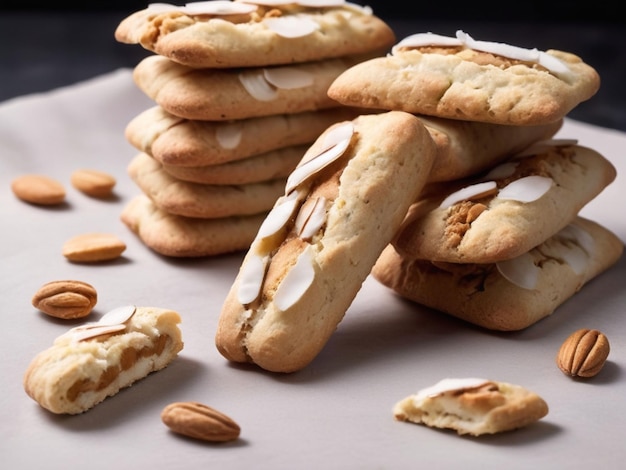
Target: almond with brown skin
{"x":67,"y":299}
{"x":193,"y":419}
{"x":583,"y":353}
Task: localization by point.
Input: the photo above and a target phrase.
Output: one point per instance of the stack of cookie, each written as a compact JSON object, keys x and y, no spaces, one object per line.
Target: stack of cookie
{"x":495,"y":238}
{"x":241,"y":92}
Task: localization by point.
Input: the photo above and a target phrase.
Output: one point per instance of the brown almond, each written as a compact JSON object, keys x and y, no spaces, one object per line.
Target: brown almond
{"x":67,"y":299}
{"x":93,"y":183}
{"x":38,"y":189}
{"x":193,"y":419}
{"x":93,"y":247}
{"x":583,"y":353}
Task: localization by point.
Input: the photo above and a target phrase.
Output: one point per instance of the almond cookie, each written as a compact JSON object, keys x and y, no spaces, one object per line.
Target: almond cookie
{"x":272,"y":165}
{"x":227,"y":94}
{"x":472,"y":406}
{"x":190,"y":143}
{"x":223,"y":34}
{"x":462,"y":78}
{"x":341,"y":206}
{"x":201,"y":200}
{"x":185,"y":237}
{"x":94,"y":361}
{"x":509,"y":295}
{"x":506,"y":212}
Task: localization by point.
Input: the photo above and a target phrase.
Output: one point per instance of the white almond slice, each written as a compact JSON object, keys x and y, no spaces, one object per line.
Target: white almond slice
{"x":520,"y":271}
{"x":336,"y":143}
{"x":229,"y":135}
{"x":161,"y":7}
{"x":218,"y":7}
{"x":288,"y":78}
{"x":311,"y":218}
{"x":257,"y":86}
{"x":425,"y":39}
{"x":95,"y":332}
{"x":501,"y":171}
{"x":251,"y":279}
{"x":304,"y":3}
{"x":295,"y":26}
{"x":468,"y":193}
{"x":581,"y":237}
{"x":118,"y":315}
{"x":527,"y":189}
{"x":574,"y":256}
{"x":450,"y":385}
{"x":278,"y":217}
{"x":297,"y":281}
{"x":545,"y":145}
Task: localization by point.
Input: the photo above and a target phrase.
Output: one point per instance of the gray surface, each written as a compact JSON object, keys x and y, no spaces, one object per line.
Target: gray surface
{"x":334,"y":414}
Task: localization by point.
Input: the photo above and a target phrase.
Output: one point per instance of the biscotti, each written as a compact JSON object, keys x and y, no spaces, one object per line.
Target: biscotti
{"x":94,"y":361}
{"x":342,"y":205}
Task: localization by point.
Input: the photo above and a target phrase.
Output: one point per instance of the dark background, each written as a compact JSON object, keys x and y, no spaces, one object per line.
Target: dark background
{"x":44,"y":45}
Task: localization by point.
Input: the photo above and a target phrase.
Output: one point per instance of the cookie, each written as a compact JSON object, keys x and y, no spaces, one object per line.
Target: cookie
{"x":472,"y":406}
{"x":94,"y":361}
{"x":201,"y":200}
{"x":465,"y":148}
{"x":507,"y":211}
{"x":230,"y":94}
{"x":223,"y":34}
{"x":510,"y":295}
{"x":181,"y":142}
{"x":342,"y":205}
{"x":461,"y":78}
{"x":185,"y":237}
{"x":273,"y":165}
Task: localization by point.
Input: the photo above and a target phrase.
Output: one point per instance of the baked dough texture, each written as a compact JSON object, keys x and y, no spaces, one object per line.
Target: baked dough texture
{"x":472,"y":406}
{"x":246,"y":40}
{"x":365,"y":194}
{"x":73,"y":376}
{"x":186,"y":237}
{"x":507,"y":296}
{"x":494,"y":227}
{"x":466,"y":84}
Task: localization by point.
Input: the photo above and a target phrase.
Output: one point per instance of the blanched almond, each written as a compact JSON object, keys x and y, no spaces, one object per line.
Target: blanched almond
{"x":38,"y":189}
{"x":93,"y":247}
{"x":93,"y":183}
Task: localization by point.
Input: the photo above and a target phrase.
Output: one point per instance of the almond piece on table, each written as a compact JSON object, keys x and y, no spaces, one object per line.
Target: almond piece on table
{"x":38,"y":189}
{"x":193,"y":419}
{"x":93,"y":247}
{"x":93,"y":183}
{"x":66,"y":299}
{"x":583,"y":353}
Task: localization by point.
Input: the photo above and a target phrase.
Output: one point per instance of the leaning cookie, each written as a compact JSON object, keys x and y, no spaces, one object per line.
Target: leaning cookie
{"x":198,"y":200}
{"x":94,"y":361}
{"x":190,"y":143}
{"x":510,"y":295}
{"x":222,"y":34}
{"x":472,"y":406}
{"x":342,"y":205}
{"x":461,"y":78}
{"x":228,"y":94}
{"x":185,"y":237}
{"x":506,"y":212}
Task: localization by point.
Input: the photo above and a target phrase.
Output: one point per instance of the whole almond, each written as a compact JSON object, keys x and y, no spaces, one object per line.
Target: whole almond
{"x":93,"y":247}
{"x":93,"y":183}
{"x":38,"y":189}
{"x":67,"y":299}
{"x":583,"y":353}
{"x":193,"y":419}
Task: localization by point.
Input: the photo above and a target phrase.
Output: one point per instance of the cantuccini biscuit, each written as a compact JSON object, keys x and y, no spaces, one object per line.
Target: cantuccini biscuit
{"x":472,"y":406}
{"x":308,"y":261}
{"x":507,"y":211}
{"x":230,"y":94}
{"x":201,"y":200}
{"x":462,"y":78}
{"x":186,"y":237}
{"x":223,"y":34}
{"x":509,"y":295}
{"x":94,"y":361}
{"x":182,"y":142}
